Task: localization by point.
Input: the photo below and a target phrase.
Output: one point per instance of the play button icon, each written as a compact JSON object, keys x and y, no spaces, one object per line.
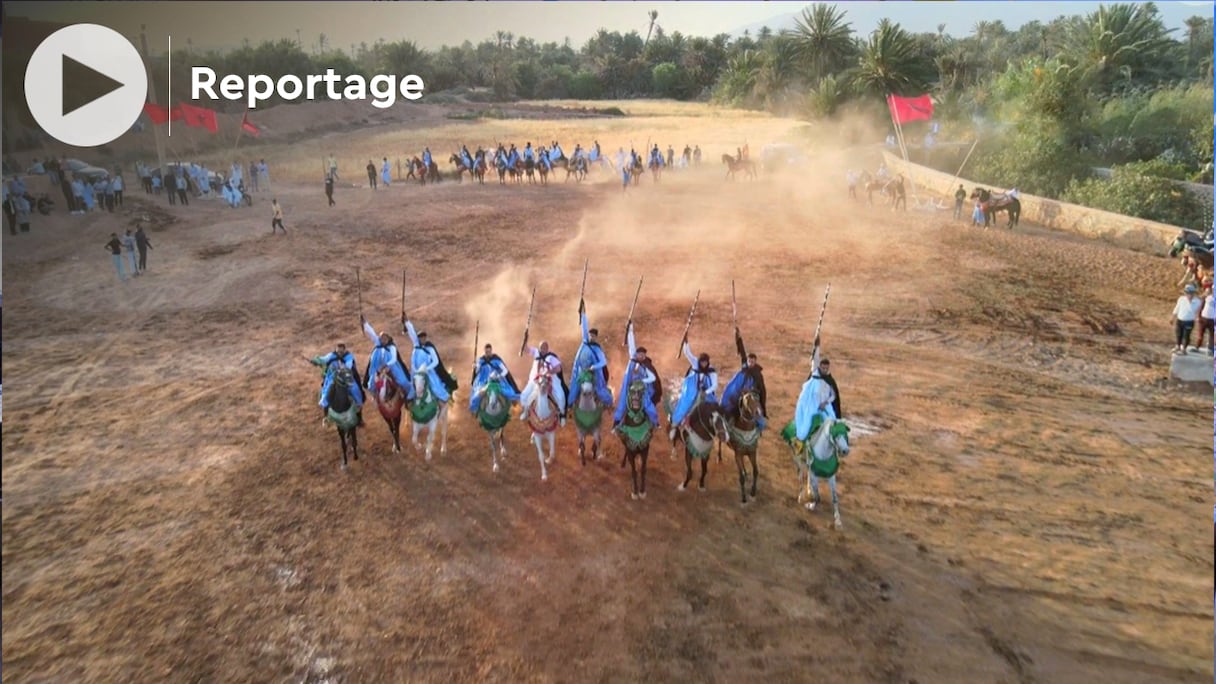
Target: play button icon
{"x":86,"y":85}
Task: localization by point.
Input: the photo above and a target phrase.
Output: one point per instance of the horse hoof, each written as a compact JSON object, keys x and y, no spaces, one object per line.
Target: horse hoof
{"x":700,"y":488}
{"x":496,"y":467}
{"x":344,"y":467}
{"x":550,"y":460}
{"x":633,"y":495}
{"x":428,"y":457}
{"x":837,"y":524}
{"x":396,"y":449}
{"x":681,"y":488}
{"x":642,"y":495}
{"x":544,"y":477}
{"x":812,"y":505}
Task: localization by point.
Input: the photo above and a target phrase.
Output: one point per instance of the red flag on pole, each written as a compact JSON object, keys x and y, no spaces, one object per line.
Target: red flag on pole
{"x":905,"y":109}
{"x":248,"y":127}
{"x":200,"y":117}
{"x":160,"y":114}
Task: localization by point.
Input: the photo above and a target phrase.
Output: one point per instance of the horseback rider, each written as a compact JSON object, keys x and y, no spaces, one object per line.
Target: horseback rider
{"x":490,"y":366}
{"x":650,"y":376}
{"x":340,"y":356}
{"x":557,"y":150}
{"x":512,"y":157}
{"x":700,"y":379}
{"x":590,"y":356}
{"x":559,"y":390}
{"x":426,"y":158}
{"x":545,"y":161}
{"x":814,"y":402}
{"x":636,"y":373}
{"x":425,"y":359}
{"x":825,"y":372}
{"x":529,"y":154}
{"x":384,"y":354}
{"x":466,"y":157}
{"x":749,"y":377}
{"x":656,"y":156}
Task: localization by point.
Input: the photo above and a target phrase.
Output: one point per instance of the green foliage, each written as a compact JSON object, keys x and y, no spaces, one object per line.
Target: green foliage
{"x":1033,"y":89}
{"x":1132,"y":194}
{"x":1119,"y":44}
{"x":1140,"y":127}
{"x":668,"y":80}
{"x":890,"y":63}
{"x":1036,"y":160}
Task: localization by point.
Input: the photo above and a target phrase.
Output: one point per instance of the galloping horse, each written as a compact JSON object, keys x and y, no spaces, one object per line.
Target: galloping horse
{"x":343,"y":413}
{"x":706,"y":421}
{"x":389,"y":400}
{"x":733,"y":166}
{"x":744,"y":432}
{"x":493,"y":414}
{"x":578,"y":169}
{"x":992,"y":204}
{"x":461,"y":168}
{"x":422,"y":172}
{"x":427,"y":413}
{"x":543,"y":169}
{"x":635,"y":432}
{"x":819,"y":457}
{"x":588,"y":416}
{"x":656,"y":168}
{"x":541,"y":412}
{"x":635,"y":171}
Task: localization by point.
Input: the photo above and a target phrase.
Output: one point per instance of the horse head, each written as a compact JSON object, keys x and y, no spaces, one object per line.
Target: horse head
{"x":1179,"y":244}
{"x":420,"y":385}
{"x":838,"y":433}
{"x":635,"y":396}
{"x":586,"y":384}
{"x":749,"y":405}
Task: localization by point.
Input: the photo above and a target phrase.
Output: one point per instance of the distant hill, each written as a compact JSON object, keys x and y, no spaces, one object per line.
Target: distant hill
{"x":960,"y":17}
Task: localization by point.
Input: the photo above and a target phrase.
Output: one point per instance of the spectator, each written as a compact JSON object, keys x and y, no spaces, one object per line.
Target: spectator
{"x":959,"y":196}
{"x":1184,"y":315}
{"x":115,"y":247}
{"x":143,"y":244}
{"x":1207,"y":324}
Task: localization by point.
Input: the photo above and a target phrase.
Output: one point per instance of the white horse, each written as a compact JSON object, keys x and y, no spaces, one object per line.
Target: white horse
{"x":493,"y":414}
{"x":820,"y":457}
{"x":427,"y":412}
{"x":540,"y":410}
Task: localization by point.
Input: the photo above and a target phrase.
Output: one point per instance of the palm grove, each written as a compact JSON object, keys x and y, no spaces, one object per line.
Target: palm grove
{"x":1048,"y":102}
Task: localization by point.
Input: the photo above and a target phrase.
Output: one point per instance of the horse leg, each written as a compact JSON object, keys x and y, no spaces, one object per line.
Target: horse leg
{"x":430,"y":436}
{"x":595,"y":446}
{"x":443,"y":444}
{"x":835,"y":504}
{"x":687,"y":469}
{"x":540,"y":455}
{"x":582,"y":448}
{"x":645,"y":457}
{"x":633,"y":473}
{"x":755,"y":472}
{"x":394,"y":427}
{"x":552,"y":446}
{"x":493,"y":452}
{"x":813,"y":486}
{"x":354,"y":443}
{"x":742,"y":477}
{"x":342,"y":439}
{"x":704,"y":470}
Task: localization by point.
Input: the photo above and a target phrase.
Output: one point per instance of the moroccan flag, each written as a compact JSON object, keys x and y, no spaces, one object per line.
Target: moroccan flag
{"x":200,"y":117}
{"x":905,"y":109}
{"x":248,"y":127}
{"x":160,"y":114}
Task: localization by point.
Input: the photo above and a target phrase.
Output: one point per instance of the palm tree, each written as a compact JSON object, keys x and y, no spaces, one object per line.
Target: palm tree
{"x":738,"y":80}
{"x":654,"y":15}
{"x":779,"y":71}
{"x":823,"y":41}
{"x":1118,"y":41}
{"x":890,"y":63}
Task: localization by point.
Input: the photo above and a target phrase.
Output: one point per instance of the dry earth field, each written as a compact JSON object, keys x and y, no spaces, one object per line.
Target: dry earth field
{"x":1031,"y":504}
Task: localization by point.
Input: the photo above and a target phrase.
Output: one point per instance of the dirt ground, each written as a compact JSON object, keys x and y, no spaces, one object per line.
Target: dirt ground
{"x":1027,"y":499}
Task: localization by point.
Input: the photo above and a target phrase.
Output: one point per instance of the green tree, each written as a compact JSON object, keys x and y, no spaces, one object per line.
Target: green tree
{"x":823,"y":41}
{"x":890,"y":63}
{"x":1119,"y":46}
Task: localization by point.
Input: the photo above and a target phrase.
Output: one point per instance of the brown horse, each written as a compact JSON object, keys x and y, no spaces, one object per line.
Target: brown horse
{"x":744,"y":431}
{"x":461,"y":168}
{"x":636,"y":171}
{"x":656,"y":169}
{"x":422,"y":172}
{"x":992,"y":204}
{"x":635,"y":431}
{"x":706,"y":422}
{"x":389,"y":400}
{"x":734,"y":166}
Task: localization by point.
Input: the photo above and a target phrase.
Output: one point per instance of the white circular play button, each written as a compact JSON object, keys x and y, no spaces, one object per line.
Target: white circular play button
{"x":86,"y":85}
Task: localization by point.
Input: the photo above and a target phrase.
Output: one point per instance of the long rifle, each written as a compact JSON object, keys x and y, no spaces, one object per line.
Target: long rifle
{"x":688,"y":324}
{"x":359,"y":290}
{"x":822,"y":310}
{"x":631,"y":309}
{"x":582,"y":290}
{"x":527,"y":325}
{"x":403,"y":293}
{"x":476,"y":334}
{"x":734,"y":308}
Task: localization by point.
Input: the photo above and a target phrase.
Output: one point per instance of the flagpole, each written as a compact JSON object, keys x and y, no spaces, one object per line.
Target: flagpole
{"x":903,"y":143}
{"x":156,"y":132}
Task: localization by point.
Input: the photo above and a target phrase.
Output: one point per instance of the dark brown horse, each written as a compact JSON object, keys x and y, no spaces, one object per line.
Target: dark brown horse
{"x":389,"y":399}
{"x":706,"y":422}
{"x":635,"y":431}
{"x":734,"y":166}
{"x":343,"y":413}
{"x":744,"y":431}
{"x":422,"y":172}
{"x":992,"y":204}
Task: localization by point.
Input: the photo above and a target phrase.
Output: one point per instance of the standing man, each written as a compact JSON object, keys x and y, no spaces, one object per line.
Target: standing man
{"x":143,"y":244}
{"x":128,"y":246}
{"x":959,"y":196}
{"x":10,"y":209}
{"x":329,"y":189}
{"x":333,"y":166}
{"x":117,"y":185}
{"x":371,"y":174}
{"x":253,"y":175}
{"x":277,"y":222}
{"x":23,"y":214}
{"x":181,"y":190}
{"x":386,"y":172}
{"x":115,"y":247}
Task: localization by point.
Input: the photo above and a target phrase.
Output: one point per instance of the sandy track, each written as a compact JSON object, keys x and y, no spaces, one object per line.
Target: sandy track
{"x":1032,"y":508}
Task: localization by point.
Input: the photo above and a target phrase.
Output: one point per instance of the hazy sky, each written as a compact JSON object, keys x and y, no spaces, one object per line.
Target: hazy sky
{"x":432,"y":24}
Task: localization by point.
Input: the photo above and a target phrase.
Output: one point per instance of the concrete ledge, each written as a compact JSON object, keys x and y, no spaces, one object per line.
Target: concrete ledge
{"x":1124,"y":231}
{"x":1193,"y":367}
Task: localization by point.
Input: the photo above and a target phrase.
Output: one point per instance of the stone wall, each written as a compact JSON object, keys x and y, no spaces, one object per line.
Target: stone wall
{"x":1125,"y":231}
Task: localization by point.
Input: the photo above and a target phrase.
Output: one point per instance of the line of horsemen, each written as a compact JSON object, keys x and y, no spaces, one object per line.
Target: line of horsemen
{"x":634,"y":409}
{"x":508,"y":160}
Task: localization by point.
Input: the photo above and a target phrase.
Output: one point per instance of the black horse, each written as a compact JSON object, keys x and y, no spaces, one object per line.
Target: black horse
{"x":992,"y":204}
{"x":343,"y":412}
{"x":635,"y":432}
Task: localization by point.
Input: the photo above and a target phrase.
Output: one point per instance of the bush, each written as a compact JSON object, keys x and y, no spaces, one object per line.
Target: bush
{"x":1034,"y":159}
{"x":1146,"y":197}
